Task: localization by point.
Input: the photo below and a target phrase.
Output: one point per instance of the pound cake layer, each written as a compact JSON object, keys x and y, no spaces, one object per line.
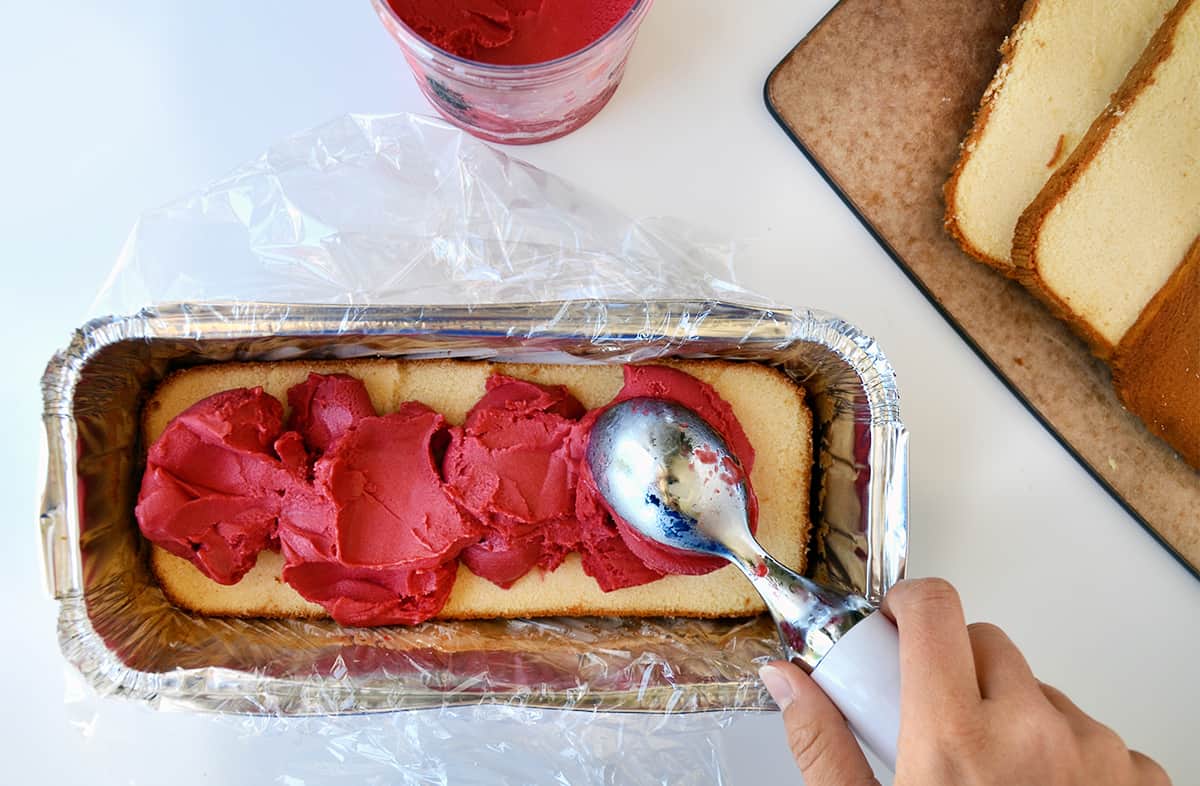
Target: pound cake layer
{"x":1060,"y":65}
{"x":1111,"y":225}
{"x":768,"y":403}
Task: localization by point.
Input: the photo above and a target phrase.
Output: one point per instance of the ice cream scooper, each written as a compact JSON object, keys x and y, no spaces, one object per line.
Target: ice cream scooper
{"x":665,"y":471}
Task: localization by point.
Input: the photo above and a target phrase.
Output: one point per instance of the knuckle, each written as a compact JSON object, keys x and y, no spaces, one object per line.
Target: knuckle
{"x":1059,"y":734}
{"x":1047,"y":732}
{"x":965,"y":736}
{"x":988,"y":638}
{"x":985,"y":630}
{"x":934,"y":592}
{"x":1103,"y":744}
{"x":1151,"y":771}
{"x":1053,"y":695}
{"x":1104,"y":739}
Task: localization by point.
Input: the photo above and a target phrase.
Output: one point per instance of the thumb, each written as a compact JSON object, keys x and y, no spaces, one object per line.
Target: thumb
{"x":822,"y":743}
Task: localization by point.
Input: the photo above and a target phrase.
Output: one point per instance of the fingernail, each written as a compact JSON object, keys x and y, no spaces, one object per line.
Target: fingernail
{"x":777,"y":685}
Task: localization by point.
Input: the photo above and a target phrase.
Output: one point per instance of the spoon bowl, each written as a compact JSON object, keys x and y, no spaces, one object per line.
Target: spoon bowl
{"x":669,"y":475}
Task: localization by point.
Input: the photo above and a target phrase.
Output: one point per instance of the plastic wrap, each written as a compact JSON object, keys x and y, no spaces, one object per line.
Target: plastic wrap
{"x":404,"y":237}
{"x":406,"y":210}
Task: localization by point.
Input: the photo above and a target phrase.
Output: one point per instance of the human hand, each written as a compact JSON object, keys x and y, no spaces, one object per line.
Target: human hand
{"x":971,"y":712}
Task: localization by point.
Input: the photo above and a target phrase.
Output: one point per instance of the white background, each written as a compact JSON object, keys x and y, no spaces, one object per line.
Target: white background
{"x":110,"y":108}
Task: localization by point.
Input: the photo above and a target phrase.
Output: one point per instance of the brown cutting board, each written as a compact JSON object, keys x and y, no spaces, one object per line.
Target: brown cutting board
{"x":878,"y":97}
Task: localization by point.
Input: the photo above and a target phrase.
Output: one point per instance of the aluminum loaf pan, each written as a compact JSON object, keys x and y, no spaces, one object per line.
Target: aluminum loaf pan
{"x":117,"y":628}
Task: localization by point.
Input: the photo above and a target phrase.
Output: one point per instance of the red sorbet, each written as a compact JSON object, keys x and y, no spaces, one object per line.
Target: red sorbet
{"x":509,"y":466}
{"x":363,"y":596}
{"x":511,"y":32}
{"x":375,"y":541}
{"x":325,"y":406}
{"x":368,"y":527}
{"x":390,"y":505}
{"x":214,"y":484}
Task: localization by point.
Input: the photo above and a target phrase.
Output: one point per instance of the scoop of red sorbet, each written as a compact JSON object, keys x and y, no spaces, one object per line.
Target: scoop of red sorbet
{"x":214,"y":484}
{"x":509,"y":466}
{"x":325,"y":406}
{"x":376,"y":539}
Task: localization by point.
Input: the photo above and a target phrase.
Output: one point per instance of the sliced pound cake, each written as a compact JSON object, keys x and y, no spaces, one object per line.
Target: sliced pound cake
{"x":1110,"y":226}
{"x":1061,"y":63}
{"x":769,"y":405}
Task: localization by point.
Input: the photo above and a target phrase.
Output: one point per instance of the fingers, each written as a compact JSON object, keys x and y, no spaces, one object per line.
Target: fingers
{"x":823,"y":745}
{"x":937,"y":667}
{"x":1060,"y":701}
{"x":1084,"y":726}
{"x":947,"y":670}
{"x":1000,"y":667}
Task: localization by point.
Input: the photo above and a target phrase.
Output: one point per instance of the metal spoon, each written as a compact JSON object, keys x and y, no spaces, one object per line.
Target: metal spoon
{"x":671,"y":477}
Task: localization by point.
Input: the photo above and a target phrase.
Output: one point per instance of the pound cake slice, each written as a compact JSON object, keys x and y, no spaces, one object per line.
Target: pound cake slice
{"x":769,"y":405}
{"x":1111,"y":225}
{"x":1061,"y":63}
{"x":1156,"y":367}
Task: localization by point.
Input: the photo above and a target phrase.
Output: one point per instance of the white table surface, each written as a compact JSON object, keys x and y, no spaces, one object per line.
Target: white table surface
{"x":111,"y":108}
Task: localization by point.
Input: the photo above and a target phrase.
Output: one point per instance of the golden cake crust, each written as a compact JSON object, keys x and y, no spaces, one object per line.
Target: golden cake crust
{"x":1156,"y":366}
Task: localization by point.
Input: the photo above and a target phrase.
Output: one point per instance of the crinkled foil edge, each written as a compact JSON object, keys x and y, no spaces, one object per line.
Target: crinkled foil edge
{"x":852,"y":389}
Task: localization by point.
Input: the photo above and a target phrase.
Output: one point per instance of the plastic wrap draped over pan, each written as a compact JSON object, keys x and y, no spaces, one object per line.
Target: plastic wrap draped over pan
{"x":399,"y":236}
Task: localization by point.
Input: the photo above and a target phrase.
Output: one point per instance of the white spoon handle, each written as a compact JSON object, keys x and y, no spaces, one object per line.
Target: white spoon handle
{"x":861,"y":674}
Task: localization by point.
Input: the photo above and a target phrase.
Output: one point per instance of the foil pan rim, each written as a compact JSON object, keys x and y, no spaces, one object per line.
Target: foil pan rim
{"x":221,"y":689}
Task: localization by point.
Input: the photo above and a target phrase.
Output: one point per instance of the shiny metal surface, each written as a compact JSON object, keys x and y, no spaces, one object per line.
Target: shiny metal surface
{"x":664,"y":470}
{"x":671,"y":477}
{"x":116,"y":627}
